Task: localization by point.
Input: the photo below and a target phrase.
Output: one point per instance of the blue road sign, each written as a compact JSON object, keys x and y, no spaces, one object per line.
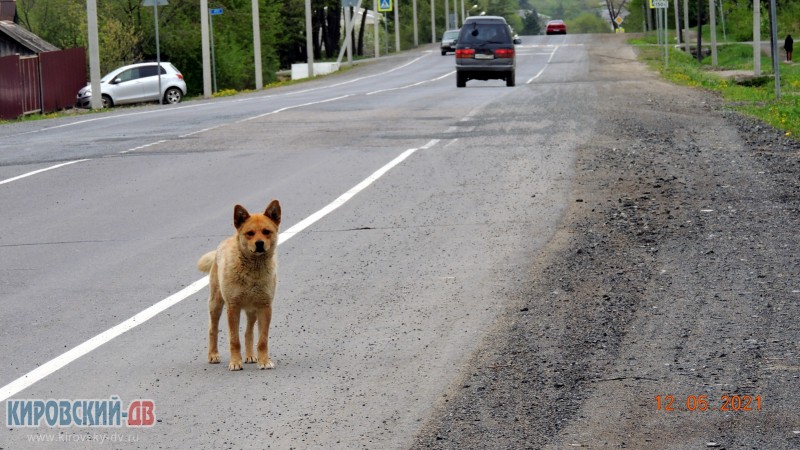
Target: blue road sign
{"x":215,"y":11}
{"x":385,"y":5}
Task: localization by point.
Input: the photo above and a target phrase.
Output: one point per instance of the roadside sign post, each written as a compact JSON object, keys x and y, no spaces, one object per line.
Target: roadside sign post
{"x":385,"y":6}
{"x":155,"y":4}
{"x":661,"y":16}
{"x":211,"y":13}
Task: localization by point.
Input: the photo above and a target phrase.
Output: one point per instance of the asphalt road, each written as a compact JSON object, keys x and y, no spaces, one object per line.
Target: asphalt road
{"x":380,"y":302}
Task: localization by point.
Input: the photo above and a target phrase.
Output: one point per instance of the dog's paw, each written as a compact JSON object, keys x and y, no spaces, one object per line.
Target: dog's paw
{"x":213,"y":358}
{"x":235,"y":365}
{"x":267,"y":365}
{"x":250,"y":359}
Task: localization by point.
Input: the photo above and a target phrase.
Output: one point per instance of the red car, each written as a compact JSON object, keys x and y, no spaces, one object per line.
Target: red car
{"x":556,"y":27}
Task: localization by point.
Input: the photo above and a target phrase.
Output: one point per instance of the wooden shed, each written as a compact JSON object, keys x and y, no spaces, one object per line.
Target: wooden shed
{"x":35,"y":76}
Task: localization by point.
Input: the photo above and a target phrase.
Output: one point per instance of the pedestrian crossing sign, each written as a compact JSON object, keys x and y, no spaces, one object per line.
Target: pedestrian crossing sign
{"x":384,"y":5}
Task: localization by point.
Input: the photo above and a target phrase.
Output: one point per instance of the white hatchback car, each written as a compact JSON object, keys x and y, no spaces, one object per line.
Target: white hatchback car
{"x":137,"y":83}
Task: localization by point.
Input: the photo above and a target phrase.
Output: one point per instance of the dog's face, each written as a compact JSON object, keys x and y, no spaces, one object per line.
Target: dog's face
{"x":258,"y":233}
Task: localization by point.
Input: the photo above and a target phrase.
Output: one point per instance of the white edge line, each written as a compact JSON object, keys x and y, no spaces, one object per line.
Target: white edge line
{"x":69,"y":356}
{"x":25,"y":175}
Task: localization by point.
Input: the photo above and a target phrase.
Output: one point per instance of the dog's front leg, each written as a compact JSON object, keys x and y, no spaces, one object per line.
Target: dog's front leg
{"x":249,"y":355}
{"x":233,"y":330}
{"x":264,"y":319}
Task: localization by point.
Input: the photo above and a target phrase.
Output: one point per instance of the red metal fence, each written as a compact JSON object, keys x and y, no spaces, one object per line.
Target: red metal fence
{"x":10,"y":88}
{"x":30,"y":84}
{"x":44,"y":83}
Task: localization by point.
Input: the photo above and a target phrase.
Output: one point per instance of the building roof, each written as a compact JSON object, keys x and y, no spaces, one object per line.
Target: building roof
{"x":25,"y":38}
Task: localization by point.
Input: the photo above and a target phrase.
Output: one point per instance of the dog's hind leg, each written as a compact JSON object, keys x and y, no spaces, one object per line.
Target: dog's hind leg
{"x":215,"y":311}
{"x":249,"y":355}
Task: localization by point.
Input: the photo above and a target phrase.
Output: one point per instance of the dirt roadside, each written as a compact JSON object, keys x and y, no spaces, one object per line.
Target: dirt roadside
{"x":664,"y":314}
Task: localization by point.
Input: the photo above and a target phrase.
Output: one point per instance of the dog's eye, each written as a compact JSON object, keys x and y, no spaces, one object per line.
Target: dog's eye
{"x":267,"y":232}
{"x":250,"y":233}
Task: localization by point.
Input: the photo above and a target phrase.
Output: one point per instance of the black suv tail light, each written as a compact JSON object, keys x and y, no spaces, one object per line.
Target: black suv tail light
{"x":504,"y":53}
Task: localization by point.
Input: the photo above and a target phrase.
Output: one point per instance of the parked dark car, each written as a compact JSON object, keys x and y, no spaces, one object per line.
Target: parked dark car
{"x":485,"y":51}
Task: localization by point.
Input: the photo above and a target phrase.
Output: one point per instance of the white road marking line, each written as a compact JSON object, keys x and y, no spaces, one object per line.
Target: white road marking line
{"x":25,"y":175}
{"x":65,"y":358}
{"x":292,"y":107}
{"x":545,"y":67}
{"x":167,"y":140}
{"x":142,"y":147}
{"x":69,"y":356}
{"x":206,"y":104}
{"x":110,"y":117}
{"x":413,"y":84}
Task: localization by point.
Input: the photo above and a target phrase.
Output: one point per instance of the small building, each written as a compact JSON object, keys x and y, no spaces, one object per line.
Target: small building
{"x":16,"y":39}
{"x":35,"y":75}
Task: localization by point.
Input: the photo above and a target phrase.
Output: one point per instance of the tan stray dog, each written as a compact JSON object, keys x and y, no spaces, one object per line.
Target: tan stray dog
{"x":242,"y":275}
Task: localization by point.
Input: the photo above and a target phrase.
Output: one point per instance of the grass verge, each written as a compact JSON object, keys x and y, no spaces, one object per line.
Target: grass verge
{"x":753,"y":97}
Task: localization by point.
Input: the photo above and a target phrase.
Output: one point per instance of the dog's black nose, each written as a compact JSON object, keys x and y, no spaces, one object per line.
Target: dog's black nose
{"x":260,"y":246}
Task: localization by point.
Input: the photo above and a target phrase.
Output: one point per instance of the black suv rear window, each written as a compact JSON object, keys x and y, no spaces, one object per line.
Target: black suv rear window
{"x":484,"y":33}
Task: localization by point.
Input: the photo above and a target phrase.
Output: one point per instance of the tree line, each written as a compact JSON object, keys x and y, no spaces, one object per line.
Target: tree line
{"x":127,"y":30}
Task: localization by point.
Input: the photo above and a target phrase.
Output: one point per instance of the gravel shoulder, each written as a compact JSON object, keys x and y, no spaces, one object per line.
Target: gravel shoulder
{"x":674,"y":277}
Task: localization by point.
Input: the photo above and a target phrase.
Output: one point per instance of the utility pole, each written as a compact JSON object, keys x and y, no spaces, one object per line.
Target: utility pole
{"x":396,"y":26}
{"x":773,"y":26}
{"x":376,"y":27}
{"x":414,"y":11}
{"x":94,"y":54}
{"x":309,"y":41}
{"x":678,"y":33}
{"x":206,"y":48}
{"x":757,"y":38}
{"x":686,"y":26}
{"x":433,"y":22}
{"x":257,"y":45}
{"x":712,"y":17}
{"x":699,"y":30}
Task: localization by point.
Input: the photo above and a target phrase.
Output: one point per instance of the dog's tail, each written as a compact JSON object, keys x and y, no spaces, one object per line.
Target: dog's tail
{"x":205,"y":261}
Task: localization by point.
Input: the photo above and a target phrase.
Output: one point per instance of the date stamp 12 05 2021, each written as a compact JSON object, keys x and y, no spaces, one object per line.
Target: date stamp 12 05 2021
{"x":726,"y":402}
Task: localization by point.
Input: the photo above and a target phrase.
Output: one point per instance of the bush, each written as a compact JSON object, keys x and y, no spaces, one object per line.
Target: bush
{"x":588,"y":23}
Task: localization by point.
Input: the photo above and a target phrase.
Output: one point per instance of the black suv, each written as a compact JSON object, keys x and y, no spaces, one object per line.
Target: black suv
{"x":485,"y":51}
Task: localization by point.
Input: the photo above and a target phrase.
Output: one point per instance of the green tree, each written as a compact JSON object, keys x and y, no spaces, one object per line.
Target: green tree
{"x":531,"y":24}
{"x":589,"y":23}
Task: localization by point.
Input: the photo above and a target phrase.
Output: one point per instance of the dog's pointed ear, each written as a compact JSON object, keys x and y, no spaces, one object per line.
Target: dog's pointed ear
{"x":273,"y":211}
{"x":240,"y":215}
